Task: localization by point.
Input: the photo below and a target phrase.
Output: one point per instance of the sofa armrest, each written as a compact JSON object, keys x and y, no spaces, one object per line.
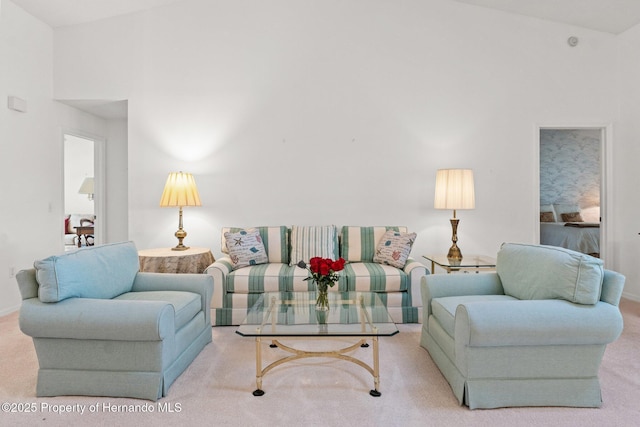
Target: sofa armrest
{"x":449,"y":285}
{"x":416,"y":271}
{"x":201,"y":284}
{"x":98,"y":319}
{"x":535,"y":322}
{"x":219,"y":271}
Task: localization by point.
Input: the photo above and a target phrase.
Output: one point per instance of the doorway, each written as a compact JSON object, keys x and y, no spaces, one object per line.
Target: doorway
{"x":83,"y":198}
{"x":572,"y":188}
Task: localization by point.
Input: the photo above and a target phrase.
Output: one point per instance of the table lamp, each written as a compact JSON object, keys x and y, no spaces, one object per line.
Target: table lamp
{"x":180,"y":190}
{"x":454,"y":190}
{"x":87,"y":187}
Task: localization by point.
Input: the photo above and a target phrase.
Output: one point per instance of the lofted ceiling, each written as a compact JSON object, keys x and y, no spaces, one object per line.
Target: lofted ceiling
{"x":611,"y":16}
{"x":60,"y":13}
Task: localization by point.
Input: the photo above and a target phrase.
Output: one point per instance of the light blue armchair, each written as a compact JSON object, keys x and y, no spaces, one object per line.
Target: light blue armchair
{"x":101,"y":328}
{"x":531,"y":334}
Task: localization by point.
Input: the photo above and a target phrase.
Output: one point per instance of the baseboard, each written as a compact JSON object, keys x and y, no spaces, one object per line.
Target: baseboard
{"x":9,"y":310}
{"x":631,"y":297}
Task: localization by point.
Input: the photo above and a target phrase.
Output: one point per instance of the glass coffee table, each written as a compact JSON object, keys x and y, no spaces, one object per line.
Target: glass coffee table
{"x":290,"y":316}
{"x":468,"y":262}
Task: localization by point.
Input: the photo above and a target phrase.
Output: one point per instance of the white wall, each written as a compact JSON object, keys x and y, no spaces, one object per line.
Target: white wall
{"x":30,"y":156}
{"x":31,"y":144}
{"x":325,"y":112}
{"x":626,"y":241}
{"x":336,"y":112}
{"x":117,"y":226}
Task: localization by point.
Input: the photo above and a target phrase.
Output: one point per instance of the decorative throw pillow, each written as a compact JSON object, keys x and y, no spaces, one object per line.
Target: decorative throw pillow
{"x":246,"y":248}
{"x":394,"y":248}
{"x":572,"y":217}
{"x":313,"y":241}
{"x":547,"y":217}
{"x":560,"y":208}
{"x":549,"y":208}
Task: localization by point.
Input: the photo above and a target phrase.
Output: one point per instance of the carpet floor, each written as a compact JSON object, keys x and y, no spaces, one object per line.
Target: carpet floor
{"x":216,"y":389}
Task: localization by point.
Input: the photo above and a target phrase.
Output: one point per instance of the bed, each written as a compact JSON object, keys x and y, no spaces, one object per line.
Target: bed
{"x":582,"y":237}
{"x":568,"y":226}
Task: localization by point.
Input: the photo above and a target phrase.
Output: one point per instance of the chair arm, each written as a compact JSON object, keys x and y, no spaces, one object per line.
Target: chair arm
{"x":201,"y":284}
{"x":449,"y":285}
{"x":535,"y":322}
{"x":612,"y":287}
{"x":219,"y":271}
{"x":98,"y":319}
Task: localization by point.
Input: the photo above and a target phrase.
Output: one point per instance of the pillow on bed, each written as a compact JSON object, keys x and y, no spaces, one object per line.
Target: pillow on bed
{"x":561,"y":208}
{"x":547,"y":217}
{"x":572,"y":217}
{"x":549,"y":209}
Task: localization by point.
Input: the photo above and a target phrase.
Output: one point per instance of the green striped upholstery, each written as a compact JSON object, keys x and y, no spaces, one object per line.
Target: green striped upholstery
{"x":370,"y":276}
{"x":313,"y":241}
{"x":257,"y":279}
{"x":358,"y":244}
{"x":236,"y":291}
{"x":275,"y":239}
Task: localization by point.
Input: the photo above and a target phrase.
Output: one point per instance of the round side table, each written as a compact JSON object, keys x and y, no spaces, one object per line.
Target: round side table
{"x":164,"y":260}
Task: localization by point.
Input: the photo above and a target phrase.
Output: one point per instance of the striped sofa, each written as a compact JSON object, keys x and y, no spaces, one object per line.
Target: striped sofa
{"x":235,"y":291}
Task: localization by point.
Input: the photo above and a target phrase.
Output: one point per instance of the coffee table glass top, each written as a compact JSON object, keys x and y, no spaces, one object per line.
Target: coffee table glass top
{"x":294,"y":314}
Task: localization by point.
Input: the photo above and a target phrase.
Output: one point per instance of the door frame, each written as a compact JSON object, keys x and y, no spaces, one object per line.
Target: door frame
{"x":606,"y":179}
{"x":99,"y":171}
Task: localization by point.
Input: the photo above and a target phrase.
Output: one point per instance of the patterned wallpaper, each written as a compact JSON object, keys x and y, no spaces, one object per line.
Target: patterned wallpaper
{"x":570,"y":167}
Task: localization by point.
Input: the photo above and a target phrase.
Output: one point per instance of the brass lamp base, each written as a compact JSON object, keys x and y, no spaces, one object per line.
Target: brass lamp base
{"x":180,"y":234}
{"x":454,"y":253}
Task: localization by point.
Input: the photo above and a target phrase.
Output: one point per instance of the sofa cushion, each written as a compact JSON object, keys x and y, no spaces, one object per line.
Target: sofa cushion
{"x":444,"y":308}
{"x":313,"y":241}
{"x":88,"y":273}
{"x":246,"y":248}
{"x":272,"y":277}
{"x":549,"y":272}
{"x":358,"y":244}
{"x":185,"y":304}
{"x":394,"y":248}
{"x":275,"y":241}
{"x":371,"y":276}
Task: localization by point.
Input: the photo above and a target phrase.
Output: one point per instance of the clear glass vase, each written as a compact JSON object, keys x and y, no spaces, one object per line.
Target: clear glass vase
{"x":322,"y":301}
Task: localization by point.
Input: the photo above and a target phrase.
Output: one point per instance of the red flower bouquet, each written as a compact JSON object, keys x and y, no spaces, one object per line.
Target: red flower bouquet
{"x":324,"y":273}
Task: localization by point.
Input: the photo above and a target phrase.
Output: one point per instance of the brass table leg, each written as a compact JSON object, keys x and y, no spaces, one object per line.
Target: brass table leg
{"x":376,"y":369}
{"x":258,"y":391}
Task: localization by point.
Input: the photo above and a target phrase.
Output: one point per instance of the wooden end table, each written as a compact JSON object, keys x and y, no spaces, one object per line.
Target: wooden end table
{"x":85,"y":231}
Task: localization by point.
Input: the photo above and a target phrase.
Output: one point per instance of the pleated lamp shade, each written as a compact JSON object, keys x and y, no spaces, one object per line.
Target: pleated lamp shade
{"x":180,"y":190}
{"x":454,"y":189}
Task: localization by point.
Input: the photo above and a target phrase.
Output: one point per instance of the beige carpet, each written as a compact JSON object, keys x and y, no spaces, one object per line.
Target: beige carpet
{"x":216,"y":389}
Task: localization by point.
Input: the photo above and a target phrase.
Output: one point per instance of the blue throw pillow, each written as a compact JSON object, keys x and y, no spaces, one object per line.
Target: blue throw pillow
{"x":103,"y":272}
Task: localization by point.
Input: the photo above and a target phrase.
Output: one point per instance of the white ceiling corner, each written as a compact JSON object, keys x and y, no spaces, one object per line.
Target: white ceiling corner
{"x":60,"y":13}
{"x":610,"y":16}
